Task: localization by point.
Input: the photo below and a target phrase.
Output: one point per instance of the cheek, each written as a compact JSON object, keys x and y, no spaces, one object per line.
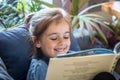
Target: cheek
{"x":49,"y":44}
{"x":48,"y":48}
{"x":68,"y":42}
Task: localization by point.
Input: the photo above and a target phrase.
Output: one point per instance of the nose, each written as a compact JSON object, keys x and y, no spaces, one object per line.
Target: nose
{"x":61,"y":41}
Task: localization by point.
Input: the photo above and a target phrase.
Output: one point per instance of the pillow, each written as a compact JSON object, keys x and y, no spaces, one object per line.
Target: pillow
{"x":74,"y":44}
{"x":15,"y":51}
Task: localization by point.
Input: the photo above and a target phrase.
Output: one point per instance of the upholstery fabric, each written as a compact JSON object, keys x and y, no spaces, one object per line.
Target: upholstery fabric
{"x":15,"y":51}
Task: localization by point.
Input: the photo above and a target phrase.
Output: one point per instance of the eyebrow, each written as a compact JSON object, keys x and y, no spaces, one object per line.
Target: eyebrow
{"x":57,"y":33}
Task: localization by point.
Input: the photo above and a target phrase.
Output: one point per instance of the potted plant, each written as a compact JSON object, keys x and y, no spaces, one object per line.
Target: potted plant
{"x":13,"y":14}
{"x":88,"y":24}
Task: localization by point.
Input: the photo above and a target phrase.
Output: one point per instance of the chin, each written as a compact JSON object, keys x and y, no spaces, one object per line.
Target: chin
{"x":52,"y":56}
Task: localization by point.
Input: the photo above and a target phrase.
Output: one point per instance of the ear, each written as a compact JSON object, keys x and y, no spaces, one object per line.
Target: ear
{"x":36,"y":42}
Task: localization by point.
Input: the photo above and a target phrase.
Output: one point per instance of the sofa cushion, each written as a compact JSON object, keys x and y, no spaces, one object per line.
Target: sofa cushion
{"x":15,"y":51}
{"x":74,"y":44}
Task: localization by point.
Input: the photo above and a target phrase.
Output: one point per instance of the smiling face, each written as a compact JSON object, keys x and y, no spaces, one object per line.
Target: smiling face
{"x":56,"y":39}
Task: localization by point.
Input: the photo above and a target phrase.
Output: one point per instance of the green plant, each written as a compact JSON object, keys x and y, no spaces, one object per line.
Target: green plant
{"x":13,"y":14}
{"x":8,"y":14}
{"x":90,"y":22}
{"x":116,"y":27}
{"x":114,"y":37}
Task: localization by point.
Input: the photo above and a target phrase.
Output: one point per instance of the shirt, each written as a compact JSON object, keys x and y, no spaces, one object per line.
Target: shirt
{"x":38,"y":67}
{"x":37,"y":70}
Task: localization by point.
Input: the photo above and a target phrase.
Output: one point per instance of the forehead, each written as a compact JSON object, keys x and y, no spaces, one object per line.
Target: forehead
{"x":60,"y":26}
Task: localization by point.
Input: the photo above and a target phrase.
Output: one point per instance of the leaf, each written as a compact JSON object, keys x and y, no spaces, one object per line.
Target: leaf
{"x":90,"y":22}
{"x":75,"y":22}
{"x":88,"y":8}
{"x":100,"y":32}
{"x":77,"y":5}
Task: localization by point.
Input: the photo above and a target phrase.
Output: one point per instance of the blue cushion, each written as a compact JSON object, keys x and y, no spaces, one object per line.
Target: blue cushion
{"x":74,"y":44}
{"x":15,"y":51}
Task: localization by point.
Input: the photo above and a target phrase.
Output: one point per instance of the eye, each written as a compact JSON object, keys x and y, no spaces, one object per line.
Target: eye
{"x":67,"y":36}
{"x":53,"y":38}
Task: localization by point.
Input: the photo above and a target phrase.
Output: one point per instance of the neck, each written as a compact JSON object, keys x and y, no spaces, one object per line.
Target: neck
{"x":40,"y":55}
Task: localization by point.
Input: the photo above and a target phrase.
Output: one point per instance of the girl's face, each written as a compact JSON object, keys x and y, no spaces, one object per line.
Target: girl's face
{"x":56,"y":39}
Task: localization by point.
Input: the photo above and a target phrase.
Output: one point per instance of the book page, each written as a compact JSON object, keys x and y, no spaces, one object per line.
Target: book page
{"x":79,"y":68}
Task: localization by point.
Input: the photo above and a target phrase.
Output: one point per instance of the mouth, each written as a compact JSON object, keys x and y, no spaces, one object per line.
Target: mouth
{"x":60,"y":50}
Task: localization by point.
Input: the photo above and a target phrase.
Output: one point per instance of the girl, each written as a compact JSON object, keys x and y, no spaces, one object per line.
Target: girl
{"x":50,"y":30}
{"x":51,"y":35}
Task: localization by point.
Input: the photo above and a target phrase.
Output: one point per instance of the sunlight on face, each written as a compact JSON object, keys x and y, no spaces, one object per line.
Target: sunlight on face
{"x":56,"y":39}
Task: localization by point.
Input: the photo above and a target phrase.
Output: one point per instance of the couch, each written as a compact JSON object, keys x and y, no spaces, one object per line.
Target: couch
{"x":15,"y":51}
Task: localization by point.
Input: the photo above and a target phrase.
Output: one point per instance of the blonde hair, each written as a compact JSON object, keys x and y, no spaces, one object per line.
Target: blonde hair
{"x":41,"y":20}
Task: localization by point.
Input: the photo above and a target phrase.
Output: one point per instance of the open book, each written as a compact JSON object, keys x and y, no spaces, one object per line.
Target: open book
{"x":76,"y":66}
{"x":117,"y":67}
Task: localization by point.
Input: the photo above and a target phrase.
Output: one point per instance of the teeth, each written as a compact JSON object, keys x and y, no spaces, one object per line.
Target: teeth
{"x":60,"y":50}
